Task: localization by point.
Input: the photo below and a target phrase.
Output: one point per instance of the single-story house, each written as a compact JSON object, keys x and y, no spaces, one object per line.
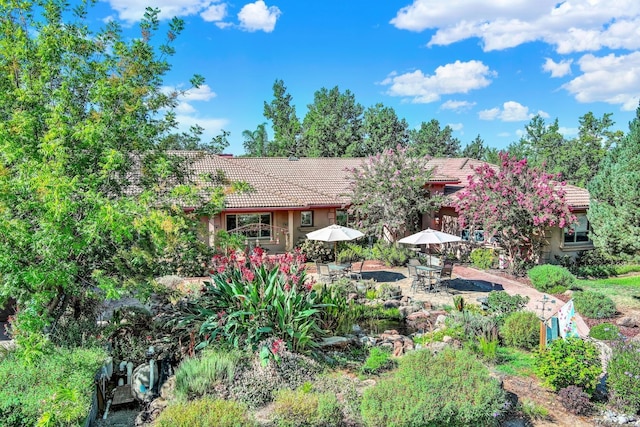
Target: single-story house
{"x":294,"y":196}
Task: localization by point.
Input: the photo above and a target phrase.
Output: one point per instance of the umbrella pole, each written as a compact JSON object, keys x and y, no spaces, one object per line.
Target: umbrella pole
{"x":335,"y":251}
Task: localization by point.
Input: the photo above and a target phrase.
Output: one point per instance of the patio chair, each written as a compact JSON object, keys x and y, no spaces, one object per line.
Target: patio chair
{"x":420,"y":281}
{"x":356,"y":275}
{"x":442,"y":277}
{"x":325,"y":274}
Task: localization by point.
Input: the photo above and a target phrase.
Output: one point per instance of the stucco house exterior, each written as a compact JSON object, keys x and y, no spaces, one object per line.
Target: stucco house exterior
{"x":294,"y":196}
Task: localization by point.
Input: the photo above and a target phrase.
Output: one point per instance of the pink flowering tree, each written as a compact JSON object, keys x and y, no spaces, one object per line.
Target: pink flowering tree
{"x":256,"y":299}
{"x":388,"y":194}
{"x":514,"y":203}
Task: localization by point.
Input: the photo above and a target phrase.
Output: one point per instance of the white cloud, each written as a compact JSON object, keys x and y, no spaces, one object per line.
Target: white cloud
{"x":459,"y":77}
{"x":212,"y":126}
{"x":456,"y":126}
{"x":133,"y":10}
{"x":490,"y":114}
{"x":570,"y":25}
{"x":457,"y":106}
{"x":215,"y":12}
{"x":257,"y":16}
{"x":511,"y":111}
{"x":557,"y":69}
{"x":611,"y":79}
{"x":185,"y":108}
{"x":202,"y":93}
{"x":568,"y":131}
{"x":504,"y":134}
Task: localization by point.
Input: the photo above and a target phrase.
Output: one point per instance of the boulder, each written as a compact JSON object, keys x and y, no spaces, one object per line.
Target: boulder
{"x":391,"y":303}
{"x":628,"y":321}
{"x":335,"y":342}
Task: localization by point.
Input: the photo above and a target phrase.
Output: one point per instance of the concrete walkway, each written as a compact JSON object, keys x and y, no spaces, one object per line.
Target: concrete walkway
{"x":512,"y":287}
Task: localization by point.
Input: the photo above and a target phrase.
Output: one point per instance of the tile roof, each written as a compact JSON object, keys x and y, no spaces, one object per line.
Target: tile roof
{"x":306,"y":182}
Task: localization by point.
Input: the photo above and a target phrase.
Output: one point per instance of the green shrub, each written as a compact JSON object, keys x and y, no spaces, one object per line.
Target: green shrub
{"x":205,"y":413}
{"x":379,"y":360}
{"x":306,"y":408}
{"x":55,"y":389}
{"x":452,"y":388}
{"x":196,"y":376}
{"x":483,"y":258}
{"x":594,"y":305}
{"x":317,"y":250}
{"x":533,"y":410}
{"x":501,"y":304}
{"x":255,"y":383}
{"x":521,"y":329}
{"x":390,"y":254}
{"x":623,"y":375}
{"x":605,"y":331}
{"x":570,"y":361}
{"x":551,"y":278}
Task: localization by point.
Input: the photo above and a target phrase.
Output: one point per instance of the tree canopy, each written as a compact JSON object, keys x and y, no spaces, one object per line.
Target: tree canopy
{"x":286,"y":126}
{"x":389,"y":195}
{"x":90,"y":202}
{"x":614,"y":211}
{"x":333,"y":124}
{"x":431,"y":140}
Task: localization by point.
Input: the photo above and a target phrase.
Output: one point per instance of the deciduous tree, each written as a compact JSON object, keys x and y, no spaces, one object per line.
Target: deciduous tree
{"x":389,"y":195}
{"x":514,"y":203}
{"x":90,"y":202}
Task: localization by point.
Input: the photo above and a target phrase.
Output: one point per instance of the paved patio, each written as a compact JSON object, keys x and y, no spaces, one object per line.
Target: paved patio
{"x":472,"y":284}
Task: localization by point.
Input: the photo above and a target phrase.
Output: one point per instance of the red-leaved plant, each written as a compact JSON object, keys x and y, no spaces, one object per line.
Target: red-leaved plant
{"x":256,"y":297}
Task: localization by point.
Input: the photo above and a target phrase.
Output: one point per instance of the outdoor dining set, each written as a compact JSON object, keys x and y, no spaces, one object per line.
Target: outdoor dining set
{"x":429,"y":278}
{"x":425,"y":277}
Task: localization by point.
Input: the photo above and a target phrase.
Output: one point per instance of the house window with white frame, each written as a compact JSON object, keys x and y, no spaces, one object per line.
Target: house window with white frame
{"x":254,"y":225}
{"x":578,"y":232}
{"x":306,"y":218}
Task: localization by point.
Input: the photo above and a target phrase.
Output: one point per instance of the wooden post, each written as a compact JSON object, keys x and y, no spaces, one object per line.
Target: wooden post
{"x":543,"y":334}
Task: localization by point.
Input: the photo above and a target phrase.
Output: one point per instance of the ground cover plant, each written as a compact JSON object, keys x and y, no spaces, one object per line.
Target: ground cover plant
{"x":623,"y":379}
{"x":605,"y":331}
{"x":622,"y":291}
{"x":304,"y":407}
{"x":594,"y":305}
{"x":206,"y":412}
{"x":52,"y":388}
{"x":466,"y":394}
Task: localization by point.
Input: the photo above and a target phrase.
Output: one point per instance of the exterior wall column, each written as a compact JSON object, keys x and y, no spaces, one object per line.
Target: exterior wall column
{"x":290,"y":231}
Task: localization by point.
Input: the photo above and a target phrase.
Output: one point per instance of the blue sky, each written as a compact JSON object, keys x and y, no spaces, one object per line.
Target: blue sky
{"x":481,"y":66}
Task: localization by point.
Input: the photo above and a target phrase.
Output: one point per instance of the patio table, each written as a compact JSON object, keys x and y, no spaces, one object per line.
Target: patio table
{"x":425,"y":275}
{"x":340,"y":269}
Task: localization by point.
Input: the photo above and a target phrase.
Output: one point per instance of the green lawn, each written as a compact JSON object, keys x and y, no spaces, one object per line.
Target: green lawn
{"x":623,"y":290}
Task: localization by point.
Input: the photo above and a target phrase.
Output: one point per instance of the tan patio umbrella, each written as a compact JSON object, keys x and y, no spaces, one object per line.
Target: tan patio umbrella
{"x":334,"y":233}
{"x":429,"y":237}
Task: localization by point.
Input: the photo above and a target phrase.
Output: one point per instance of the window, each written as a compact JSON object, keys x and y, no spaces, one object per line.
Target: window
{"x":578,"y":232}
{"x":256,"y":225}
{"x":478,"y":235}
{"x":342,"y":218}
{"x":306,"y":218}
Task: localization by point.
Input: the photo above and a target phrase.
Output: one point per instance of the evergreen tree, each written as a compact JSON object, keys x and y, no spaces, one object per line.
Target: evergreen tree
{"x":614,"y":210}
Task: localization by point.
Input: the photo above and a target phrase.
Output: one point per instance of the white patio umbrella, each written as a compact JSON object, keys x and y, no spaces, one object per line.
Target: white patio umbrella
{"x":334,"y":233}
{"x":429,"y":237}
